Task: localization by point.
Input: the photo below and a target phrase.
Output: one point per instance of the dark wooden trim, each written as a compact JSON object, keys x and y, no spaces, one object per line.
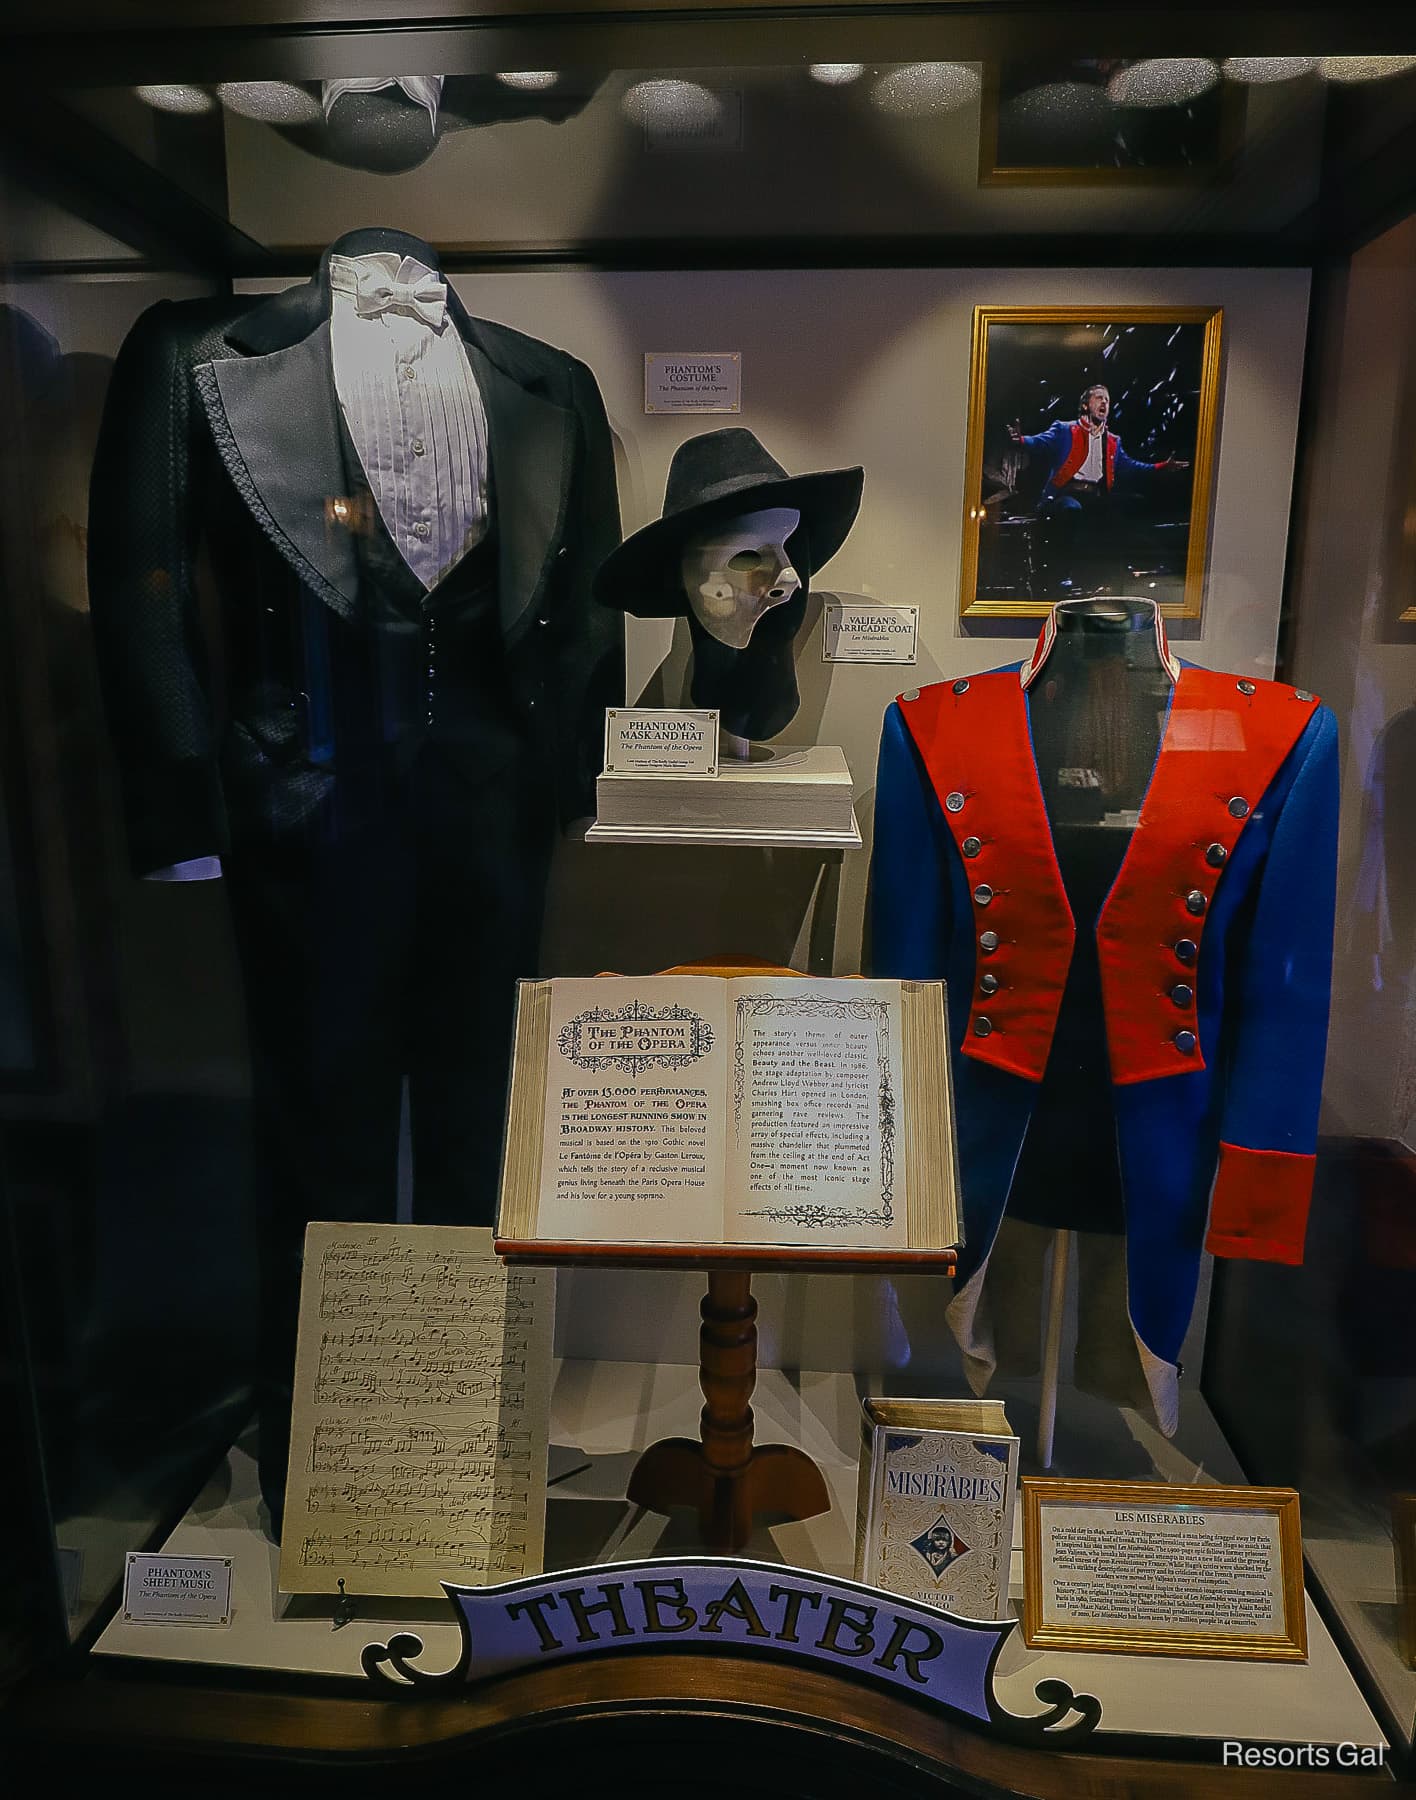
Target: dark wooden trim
{"x":924,"y":251}
{"x":67,"y":160}
{"x":779,"y":1259}
{"x":80,"y":41}
{"x":521,"y":1720}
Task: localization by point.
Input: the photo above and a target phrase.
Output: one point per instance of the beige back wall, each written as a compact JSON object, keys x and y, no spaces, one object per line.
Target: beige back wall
{"x":869,"y":367}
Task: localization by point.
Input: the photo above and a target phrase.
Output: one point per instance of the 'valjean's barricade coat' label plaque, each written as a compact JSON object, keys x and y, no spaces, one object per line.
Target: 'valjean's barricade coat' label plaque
{"x":720,"y":1604}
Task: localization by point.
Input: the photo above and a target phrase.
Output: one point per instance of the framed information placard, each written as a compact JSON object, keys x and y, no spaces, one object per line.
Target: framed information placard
{"x":1151,"y":1568}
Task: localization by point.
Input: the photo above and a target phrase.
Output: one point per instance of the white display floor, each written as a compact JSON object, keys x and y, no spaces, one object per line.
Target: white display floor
{"x":609,"y":1412}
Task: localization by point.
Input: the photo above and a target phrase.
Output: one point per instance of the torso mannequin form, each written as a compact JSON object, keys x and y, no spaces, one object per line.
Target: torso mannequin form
{"x":1097,"y":712}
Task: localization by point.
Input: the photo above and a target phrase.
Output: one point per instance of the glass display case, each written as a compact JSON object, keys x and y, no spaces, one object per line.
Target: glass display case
{"x":1002,"y":419}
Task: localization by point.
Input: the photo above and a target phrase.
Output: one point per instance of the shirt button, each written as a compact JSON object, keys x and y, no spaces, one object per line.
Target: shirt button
{"x":983,"y":893}
{"x":1182,"y":994}
{"x":1239,"y":807}
{"x":988,"y":942}
{"x":419,"y":447}
{"x":1216,"y":856}
{"x":1186,"y":950}
{"x":1185,"y":1042}
{"x":954,"y":802}
{"x":1195,"y":902}
{"x":983,"y":1027}
{"x":421,"y":529}
{"x":988,"y":984}
{"x":410,"y":373}
{"x":972,"y":846}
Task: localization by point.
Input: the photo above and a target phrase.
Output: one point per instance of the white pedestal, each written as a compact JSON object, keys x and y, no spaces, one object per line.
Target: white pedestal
{"x":798,"y":799}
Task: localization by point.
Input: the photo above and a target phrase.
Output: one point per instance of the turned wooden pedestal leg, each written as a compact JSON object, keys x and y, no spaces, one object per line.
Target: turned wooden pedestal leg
{"x":724,"y":1475}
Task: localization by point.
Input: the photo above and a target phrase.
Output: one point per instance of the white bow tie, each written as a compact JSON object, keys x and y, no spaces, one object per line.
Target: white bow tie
{"x":377,"y":293}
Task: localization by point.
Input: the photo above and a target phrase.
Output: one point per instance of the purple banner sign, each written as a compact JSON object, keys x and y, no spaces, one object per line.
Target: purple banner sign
{"x":748,"y":1608}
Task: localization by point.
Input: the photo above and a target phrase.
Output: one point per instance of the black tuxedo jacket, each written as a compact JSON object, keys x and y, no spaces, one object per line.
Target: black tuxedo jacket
{"x":222,"y":452}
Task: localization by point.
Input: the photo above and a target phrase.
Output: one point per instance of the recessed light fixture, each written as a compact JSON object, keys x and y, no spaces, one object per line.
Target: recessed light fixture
{"x":175,"y":97}
{"x":1260,"y":71}
{"x":1163,"y":81}
{"x":663,"y":103}
{"x":272,"y":102}
{"x":836,"y":74}
{"x":1364,"y":68}
{"x":916,"y":90}
{"x":529,"y":80}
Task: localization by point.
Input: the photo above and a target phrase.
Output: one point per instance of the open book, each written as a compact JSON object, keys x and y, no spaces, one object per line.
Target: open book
{"x":689,"y":1109}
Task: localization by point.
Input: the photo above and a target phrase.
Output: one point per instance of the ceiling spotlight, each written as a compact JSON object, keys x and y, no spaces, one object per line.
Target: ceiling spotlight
{"x":1364,"y":68}
{"x":529,"y":80}
{"x":664,"y":105}
{"x":1259,"y":71}
{"x":1163,"y":81}
{"x":836,"y":74}
{"x":915,"y":90}
{"x":272,"y":102}
{"x":175,"y":97}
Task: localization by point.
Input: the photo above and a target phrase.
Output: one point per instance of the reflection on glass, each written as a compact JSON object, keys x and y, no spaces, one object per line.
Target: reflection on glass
{"x":176,"y":97}
{"x":272,"y":102}
{"x":1163,"y":81}
{"x":1260,"y":71}
{"x":1365,"y":68}
{"x":663,"y":103}
{"x":916,"y":90}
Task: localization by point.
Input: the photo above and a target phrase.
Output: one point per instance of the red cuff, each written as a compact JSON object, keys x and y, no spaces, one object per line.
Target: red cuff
{"x":1260,"y":1204}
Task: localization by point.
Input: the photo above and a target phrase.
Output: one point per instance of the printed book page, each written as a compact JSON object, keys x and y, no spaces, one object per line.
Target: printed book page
{"x":422,"y":1394}
{"x":815,"y":1152}
{"x":635,"y":1110}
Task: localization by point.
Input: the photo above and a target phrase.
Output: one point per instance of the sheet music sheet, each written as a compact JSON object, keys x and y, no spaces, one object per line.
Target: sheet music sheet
{"x":422,"y":1394}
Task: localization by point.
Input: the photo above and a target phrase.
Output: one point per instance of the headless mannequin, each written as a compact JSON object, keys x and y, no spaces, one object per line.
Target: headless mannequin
{"x":1097,"y":709}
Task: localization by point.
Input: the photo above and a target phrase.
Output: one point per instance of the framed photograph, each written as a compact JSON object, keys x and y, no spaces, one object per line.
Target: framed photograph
{"x":1149,"y":1567}
{"x":1064,"y":121}
{"x":1090,"y":455}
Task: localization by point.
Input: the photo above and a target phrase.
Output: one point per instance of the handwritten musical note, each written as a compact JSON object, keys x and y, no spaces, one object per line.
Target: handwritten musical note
{"x":421,"y":1402}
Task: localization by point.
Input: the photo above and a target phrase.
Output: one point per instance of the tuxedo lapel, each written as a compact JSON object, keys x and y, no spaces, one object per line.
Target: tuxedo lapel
{"x":274,"y":414}
{"x":275,"y":419}
{"x":531,"y":441}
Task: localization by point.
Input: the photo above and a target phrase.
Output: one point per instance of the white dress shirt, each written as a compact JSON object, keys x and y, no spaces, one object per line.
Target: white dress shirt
{"x":416,"y":419}
{"x":1093,"y":468}
{"x":412,"y":407}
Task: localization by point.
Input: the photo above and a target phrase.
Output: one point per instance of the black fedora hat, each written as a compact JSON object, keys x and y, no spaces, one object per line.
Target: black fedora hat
{"x":719,"y":475}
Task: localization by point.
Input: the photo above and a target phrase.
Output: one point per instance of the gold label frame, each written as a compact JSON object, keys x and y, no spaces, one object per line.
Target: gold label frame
{"x":1129,"y":1639}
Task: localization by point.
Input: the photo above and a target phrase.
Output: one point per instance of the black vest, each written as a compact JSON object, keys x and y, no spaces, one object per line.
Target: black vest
{"x":412,"y":668}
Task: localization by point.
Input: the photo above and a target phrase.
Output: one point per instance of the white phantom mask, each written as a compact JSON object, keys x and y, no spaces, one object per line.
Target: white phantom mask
{"x":738,"y":570}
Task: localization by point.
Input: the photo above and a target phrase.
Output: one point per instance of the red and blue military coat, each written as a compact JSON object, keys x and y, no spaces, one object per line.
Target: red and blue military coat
{"x":1214,"y":947}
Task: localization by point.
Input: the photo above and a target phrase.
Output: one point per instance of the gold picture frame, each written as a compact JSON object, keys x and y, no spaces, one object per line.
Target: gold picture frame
{"x":1012,"y":564}
{"x":1131,"y":1638}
